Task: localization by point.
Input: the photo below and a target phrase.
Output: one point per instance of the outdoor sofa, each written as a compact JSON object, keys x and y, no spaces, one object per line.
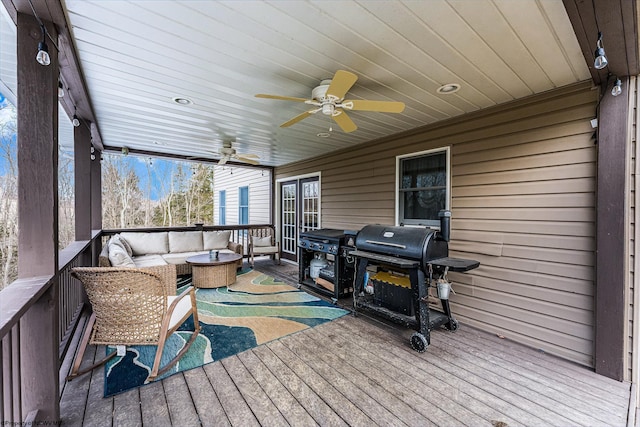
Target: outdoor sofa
{"x":150,"y":249}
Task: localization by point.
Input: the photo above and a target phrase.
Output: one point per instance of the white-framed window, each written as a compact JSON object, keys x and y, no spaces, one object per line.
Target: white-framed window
{"x":423,"y":186}
{"x":243,"y":206}
{"x":222,"y":207}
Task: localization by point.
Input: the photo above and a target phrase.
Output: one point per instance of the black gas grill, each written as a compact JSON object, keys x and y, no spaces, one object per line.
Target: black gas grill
{"x":335,"y":279}
{"x":401,"y":263}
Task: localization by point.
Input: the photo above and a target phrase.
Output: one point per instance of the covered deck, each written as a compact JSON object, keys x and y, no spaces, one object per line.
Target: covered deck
{"x":360,"y":371}
{"x":356,"y":370}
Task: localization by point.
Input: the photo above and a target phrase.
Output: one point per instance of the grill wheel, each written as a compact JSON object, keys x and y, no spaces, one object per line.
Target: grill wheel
{"x":419,"y":342}
{"x":453,"y":325}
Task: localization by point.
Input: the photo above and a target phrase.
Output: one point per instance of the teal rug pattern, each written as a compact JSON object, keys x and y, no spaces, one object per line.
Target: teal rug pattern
{"x":254,"y":310}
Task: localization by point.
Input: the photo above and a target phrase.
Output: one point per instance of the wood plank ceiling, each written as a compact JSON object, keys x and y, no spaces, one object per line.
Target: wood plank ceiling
{"x":137,"y":56}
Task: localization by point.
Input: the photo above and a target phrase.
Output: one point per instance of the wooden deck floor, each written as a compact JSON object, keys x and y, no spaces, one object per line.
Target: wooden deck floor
{"x":361,"y":372}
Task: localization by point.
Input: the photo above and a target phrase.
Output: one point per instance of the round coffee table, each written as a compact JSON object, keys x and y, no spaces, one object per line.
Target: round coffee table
{"x":214,"y":272}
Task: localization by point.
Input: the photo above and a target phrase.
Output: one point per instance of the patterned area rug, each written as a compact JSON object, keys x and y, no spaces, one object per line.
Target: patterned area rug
{"x":254,"y":310}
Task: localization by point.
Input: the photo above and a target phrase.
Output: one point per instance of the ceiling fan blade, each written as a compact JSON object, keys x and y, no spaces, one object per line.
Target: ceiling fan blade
{"x":249,"y":156}
{"x":344,"y":121}
{"x":341,"y":83}
{"x":379,"y":106}
{"x":282,"y":98}
{"x":222,"y":161}
{"x":297,"y":118}
{"x":247,"y":160}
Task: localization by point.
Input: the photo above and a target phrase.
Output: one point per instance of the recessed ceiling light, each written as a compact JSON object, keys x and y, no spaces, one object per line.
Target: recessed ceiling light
{"x":448,"y":88}
{"x":323,"y":135}
{"x":182,"y":101}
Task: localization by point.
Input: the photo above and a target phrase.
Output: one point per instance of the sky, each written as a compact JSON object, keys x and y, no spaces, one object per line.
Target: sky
{"x":160,"y":169}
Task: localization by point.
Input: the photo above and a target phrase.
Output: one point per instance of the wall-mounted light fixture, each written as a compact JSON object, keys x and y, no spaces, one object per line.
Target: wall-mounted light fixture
{"x":601,"y":59}
{"x":60,"y":90}
{"x":42,"y":56}
{"x":125,"y":151}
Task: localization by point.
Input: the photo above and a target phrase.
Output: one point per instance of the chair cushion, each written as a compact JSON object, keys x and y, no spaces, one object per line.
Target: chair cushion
{"x":149,"y":260}
{"x":118,"y":256}
{"x":185,"y":241}
{"x":183,"y":307}
{"x":216,"y":239}
{"x":262,"y":250}
{"x":147,"y":243}
{"x":261,"y":241}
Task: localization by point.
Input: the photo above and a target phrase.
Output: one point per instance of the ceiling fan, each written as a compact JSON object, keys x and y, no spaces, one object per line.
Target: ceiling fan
{"x":229,"y":153}
{"x":329,"y":99}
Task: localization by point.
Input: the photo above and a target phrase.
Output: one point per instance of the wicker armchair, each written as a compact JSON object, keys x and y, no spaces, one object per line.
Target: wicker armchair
{"x":132,"y":306}
{"x":263,"y":242}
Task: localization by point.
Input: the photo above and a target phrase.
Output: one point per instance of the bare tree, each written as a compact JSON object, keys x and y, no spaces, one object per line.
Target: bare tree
{"x":199,"y":195}
{"x":66,"y":198}
{"x":121,"y":194}
{"x":8,"y":194}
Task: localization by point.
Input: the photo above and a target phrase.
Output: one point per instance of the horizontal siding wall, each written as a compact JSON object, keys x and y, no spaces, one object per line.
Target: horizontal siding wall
{"x":259,"y":183}
{"x":523,"y":204}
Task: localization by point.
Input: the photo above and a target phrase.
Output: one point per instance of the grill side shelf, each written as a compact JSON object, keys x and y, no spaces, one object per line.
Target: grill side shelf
{"x":455,"y":264}
{"x":399,"y":262}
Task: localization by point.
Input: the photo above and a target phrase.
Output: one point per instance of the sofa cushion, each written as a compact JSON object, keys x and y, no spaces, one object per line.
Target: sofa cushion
{"x":147,"y":243}
{"x":149,"y":260}
{"x":185,"y":241}
{"x":216,"y":239}
{"x":261,"y":241}
{"x":118,"y":256}
{"x":181,"y":258}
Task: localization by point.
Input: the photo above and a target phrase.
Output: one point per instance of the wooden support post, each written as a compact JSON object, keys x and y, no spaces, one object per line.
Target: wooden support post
{"x":82,"y":177}
{"x":96,"y":203}
{"x":96,"y":193}
{"x":38,"y":217}
{"x":611,"y":240}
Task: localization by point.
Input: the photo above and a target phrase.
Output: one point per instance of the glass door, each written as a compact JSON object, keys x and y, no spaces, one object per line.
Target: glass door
{"x":289,"y":236}
{"x":300,"y":207}
{"x":310,"y":204}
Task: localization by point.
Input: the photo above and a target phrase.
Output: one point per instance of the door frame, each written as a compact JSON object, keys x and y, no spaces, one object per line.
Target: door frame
{"x":278,"y":200}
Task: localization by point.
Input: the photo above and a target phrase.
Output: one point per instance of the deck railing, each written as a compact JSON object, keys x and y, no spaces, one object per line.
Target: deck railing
{"x":40,"y":313}
{"x":239,"y":233}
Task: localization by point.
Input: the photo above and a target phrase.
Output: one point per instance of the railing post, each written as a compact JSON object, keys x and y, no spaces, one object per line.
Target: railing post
{"x":39,"y":364}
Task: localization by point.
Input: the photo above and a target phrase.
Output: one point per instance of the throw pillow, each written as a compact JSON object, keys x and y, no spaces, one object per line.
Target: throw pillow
{"x":260,"y":242}
{"x":118,"y":256}
{"x":124,"y":243}
{"x":117,"y":240}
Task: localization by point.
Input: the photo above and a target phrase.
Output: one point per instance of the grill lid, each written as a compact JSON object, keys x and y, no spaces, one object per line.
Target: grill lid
{"x":406,"y":242}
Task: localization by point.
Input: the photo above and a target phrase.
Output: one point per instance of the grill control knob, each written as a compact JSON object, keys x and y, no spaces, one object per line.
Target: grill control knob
{"x":320,"y":247}
{"x":302,"y":243}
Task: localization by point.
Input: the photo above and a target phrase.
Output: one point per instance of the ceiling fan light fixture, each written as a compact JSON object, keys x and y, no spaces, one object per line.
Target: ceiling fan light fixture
{"x":448,"y":88}
{"x":180,"y":100}
{"x":328,"y":109}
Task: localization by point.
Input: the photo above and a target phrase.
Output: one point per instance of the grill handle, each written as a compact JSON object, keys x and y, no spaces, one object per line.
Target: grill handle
{"x":394,"y":245}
